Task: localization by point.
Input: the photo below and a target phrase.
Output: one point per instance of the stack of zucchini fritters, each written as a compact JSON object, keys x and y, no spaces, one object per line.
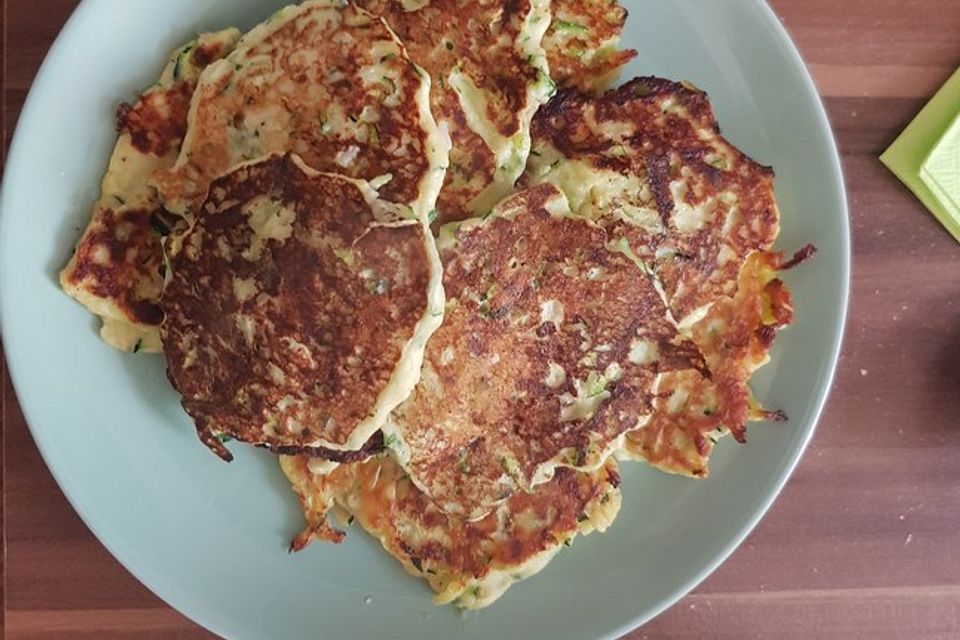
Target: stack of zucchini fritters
{"x":421,"y":252}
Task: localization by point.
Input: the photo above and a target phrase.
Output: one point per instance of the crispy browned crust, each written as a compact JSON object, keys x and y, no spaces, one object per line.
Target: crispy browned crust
{"x":486,"y":417}
{"x":444,"y":34}
{"x":660,"y":136}
{"x":120,"y":259}
{"x":664,"y":132}
{"x":373,"y":447}
{"x":736,"y":337}
{"x":434,"y":545}
{"x":317,"y":494}
{"x":472,"y":548}
{"x":157,"y":121}
{"x":313,"y":66}
{"x":582,"y":44}
{"x":289,"y":342}
{"x":483,"y":39}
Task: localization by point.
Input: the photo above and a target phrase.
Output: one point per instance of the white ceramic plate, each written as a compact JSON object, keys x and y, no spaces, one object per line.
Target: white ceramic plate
{"x":211,"y":538}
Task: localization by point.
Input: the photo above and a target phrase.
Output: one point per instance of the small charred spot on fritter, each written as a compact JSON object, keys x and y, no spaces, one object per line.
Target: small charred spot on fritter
{"x":739,"y":432}
{"x":576,"y":35}
{"x":658,"y":173}
{"x":766,"y":335}
{"x":776,"y":415}
{"x":681,"y":354}
{"x":143,"y":312}
{"x":567,"y":102}
{"x":213,"y":442}
{"x":117,"y":257}
{"x":801,"y":256}
{"x":781,"y":302}
{"x":701,"y":444}
{"x":124,"y":110}
{"x":652,"y":90}
{"x":373,"y":447}
{"x":613,"y":476}
{"x":157,"y":122}
{"x":411,"y":553}
{"x":387,"y":154}
{"x":319,"y":531}
{"x":207,"y":53}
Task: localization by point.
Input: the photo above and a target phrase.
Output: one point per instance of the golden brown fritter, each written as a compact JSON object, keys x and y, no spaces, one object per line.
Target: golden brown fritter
{"x":736,"y":336}
{"x":297,"y":308}
{"x":549,"y":351}
{"x":329,"y":83}
{"x":116,"y":269}
{"x":583,"y":43}
{"x":489,"y":77}
{"x":471,"y":564}
{"x":647,"y":162}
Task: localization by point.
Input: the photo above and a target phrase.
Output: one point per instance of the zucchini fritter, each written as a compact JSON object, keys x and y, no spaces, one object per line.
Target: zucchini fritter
{"x":298,"y":307}
{"x":489,"y":76}
{"x":468,"y":563}
{"x":328,"y":82}
{"x":648,"y":163}
{"x":692,"y":412}
{"x":551,"y":346}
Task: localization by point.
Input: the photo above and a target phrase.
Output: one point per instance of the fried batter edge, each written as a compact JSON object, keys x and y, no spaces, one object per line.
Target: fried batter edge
{"x":117,"y":330}
{"x":599,"y":515}
{"x":438,"y":139}
{"x":469,"y":593}
{"x":510,"y":154}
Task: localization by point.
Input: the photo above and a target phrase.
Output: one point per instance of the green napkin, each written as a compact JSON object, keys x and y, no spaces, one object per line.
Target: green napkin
{"x":926,"y":156}
{"x":941,"y":170}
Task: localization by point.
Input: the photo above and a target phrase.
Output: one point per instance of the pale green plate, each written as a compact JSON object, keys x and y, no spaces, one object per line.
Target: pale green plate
{"x":211,"y":538}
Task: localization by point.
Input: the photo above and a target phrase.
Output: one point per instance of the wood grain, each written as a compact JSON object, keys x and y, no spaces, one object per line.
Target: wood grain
{"x":864,"y":543}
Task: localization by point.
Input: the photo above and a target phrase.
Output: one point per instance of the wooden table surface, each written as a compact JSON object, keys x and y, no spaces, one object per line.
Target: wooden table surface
{"x":864,"y":543}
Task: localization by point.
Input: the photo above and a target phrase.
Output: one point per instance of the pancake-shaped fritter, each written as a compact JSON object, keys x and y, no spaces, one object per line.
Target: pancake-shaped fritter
{"x":297,"y":308}
{"x":583,"y":43}
{"x":489,"y":78}
{"x":549,"y":352}
{"x":327,"y":81}
{"x":116,"y":269}
{"x":736,"y":336}
{"x":647,"y":162}
{"x":470,"y":564}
